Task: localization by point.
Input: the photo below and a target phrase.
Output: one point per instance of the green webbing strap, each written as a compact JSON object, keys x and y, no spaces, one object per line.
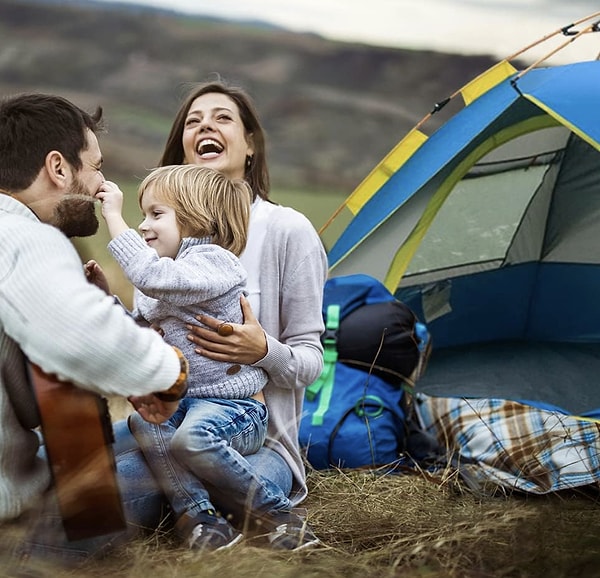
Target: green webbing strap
{"x":324,"y":383}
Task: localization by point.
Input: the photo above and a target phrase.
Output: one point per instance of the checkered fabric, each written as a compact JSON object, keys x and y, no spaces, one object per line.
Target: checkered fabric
{"x":506,"y":444}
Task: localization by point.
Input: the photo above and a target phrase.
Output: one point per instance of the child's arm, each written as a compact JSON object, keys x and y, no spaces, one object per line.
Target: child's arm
{"x":112,"y":204}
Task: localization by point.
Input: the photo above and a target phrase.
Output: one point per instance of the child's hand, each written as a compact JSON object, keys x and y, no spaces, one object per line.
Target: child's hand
{"x":95,"y":274}
{"x":112,"y":204}
{"x":158,"y":329}
{"x":112,"y":199}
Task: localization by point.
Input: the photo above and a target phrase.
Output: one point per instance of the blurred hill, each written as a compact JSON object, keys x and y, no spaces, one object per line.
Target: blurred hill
{"x":332,"y":110}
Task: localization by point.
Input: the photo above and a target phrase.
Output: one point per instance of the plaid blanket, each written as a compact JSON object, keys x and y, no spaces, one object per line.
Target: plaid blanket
{"x":502,"y":443}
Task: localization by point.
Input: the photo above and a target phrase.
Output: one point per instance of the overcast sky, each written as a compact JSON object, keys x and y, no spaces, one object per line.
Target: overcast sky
{"x":497,"y":27}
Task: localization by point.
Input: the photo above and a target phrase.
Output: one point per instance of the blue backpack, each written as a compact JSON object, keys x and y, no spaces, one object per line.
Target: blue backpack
{"x":356,"y":413}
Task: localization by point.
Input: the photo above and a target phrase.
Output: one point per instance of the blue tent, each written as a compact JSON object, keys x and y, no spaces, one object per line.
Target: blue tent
{"x":489,"y":229}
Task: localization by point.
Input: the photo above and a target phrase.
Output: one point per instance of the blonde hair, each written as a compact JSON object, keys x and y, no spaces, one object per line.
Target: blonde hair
{"x":206,"y":203}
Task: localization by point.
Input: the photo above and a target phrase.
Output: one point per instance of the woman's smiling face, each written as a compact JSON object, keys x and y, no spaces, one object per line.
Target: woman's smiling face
{"x":214,"y":135}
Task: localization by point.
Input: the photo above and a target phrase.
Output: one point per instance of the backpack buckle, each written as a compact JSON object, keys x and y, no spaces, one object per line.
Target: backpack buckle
{"x":330,"y":336}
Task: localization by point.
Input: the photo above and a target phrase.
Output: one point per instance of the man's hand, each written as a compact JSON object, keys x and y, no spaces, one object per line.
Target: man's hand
{"x":152,"y":409}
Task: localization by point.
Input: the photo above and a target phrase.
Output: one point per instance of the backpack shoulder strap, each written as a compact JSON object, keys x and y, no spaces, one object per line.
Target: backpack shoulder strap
{"x":324,"y":383}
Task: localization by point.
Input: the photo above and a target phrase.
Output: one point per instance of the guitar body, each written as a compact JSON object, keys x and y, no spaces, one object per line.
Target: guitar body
{"x":78,"y":437}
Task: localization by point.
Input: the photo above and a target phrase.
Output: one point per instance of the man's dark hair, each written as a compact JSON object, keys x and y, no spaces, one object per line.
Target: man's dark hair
{"x":32,"y":125}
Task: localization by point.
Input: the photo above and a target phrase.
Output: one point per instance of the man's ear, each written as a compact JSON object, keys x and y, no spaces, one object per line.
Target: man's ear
{"x":57,"y":169}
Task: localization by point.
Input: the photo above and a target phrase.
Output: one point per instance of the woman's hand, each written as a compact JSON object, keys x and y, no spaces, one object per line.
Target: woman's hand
{"x":95,"y":274}
{"x":247,"y":344}
{"x":152,"y":409}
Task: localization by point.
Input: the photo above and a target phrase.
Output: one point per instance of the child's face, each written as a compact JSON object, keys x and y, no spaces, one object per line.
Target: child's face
{"x":159,"y":227}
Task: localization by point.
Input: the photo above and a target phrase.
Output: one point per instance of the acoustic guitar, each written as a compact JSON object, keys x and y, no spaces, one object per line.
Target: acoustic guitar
{"x":78,"y":438}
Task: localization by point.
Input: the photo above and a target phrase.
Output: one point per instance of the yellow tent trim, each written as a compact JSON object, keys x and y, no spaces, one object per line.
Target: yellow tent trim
{"x":407,"y":250}
{"x":486,"y":81}
{"x":384,"y":170}
{"x":582,"y":135}
{"x":415,"y":138}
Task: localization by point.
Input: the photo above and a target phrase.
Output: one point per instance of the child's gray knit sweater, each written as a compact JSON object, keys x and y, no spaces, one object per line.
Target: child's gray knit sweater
{"x":202,"y":279}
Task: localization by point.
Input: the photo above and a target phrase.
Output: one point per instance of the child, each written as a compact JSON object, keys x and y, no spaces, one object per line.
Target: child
{"x":186,"y":264}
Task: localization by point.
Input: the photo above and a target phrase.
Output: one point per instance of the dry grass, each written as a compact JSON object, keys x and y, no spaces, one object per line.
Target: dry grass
{"x":376,"y":524}
{"x":373,"y":523}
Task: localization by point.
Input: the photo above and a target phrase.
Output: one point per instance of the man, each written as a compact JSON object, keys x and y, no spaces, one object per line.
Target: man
{"x":50,"y":170}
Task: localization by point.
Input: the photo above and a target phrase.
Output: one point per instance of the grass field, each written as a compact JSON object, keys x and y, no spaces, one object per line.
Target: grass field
{"x":413,"y":526}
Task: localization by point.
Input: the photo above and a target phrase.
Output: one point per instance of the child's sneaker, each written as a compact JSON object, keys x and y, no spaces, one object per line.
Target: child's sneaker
{"x":208,"y":532}
{"x":288,"y":531}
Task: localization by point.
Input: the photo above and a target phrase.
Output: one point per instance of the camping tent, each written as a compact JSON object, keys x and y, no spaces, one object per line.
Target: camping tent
{"x":489,"y":229}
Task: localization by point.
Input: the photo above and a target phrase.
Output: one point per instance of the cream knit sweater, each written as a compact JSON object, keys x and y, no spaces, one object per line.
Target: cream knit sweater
{"x":68,"y":327}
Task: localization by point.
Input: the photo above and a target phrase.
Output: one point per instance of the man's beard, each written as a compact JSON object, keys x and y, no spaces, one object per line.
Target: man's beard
{"x":75,"y":214}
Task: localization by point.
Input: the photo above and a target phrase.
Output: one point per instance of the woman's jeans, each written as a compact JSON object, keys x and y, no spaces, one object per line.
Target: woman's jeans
{"x":210,"y":456}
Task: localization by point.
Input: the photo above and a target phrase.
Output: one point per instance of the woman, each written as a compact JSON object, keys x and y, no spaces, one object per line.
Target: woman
{"x":217,"y":127}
